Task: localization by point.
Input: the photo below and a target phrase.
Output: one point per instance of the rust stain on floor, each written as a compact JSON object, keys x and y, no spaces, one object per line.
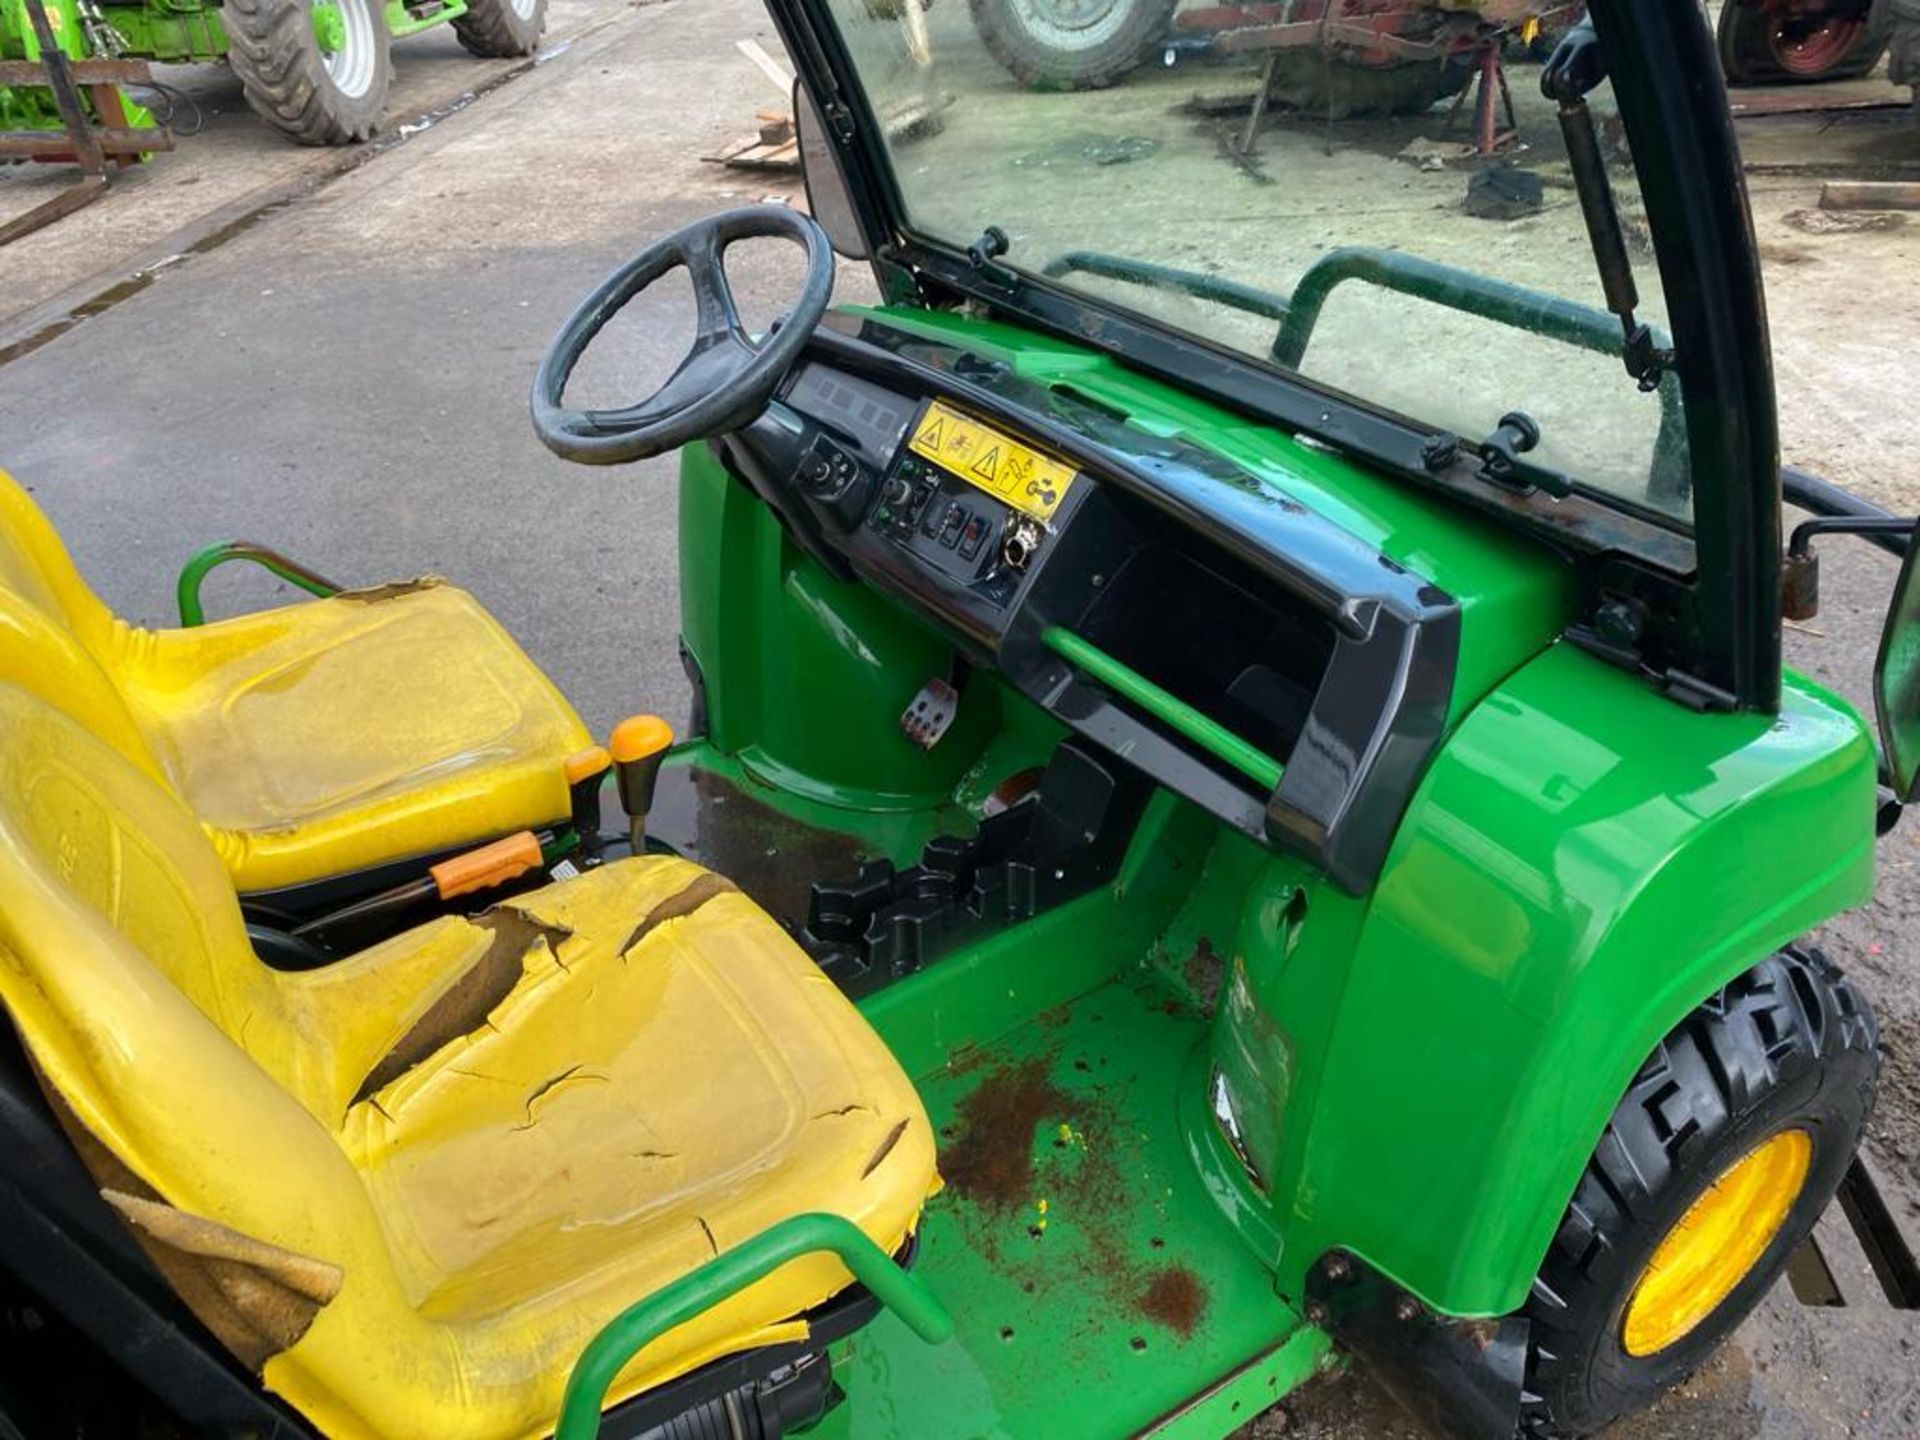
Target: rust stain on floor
{"x":1025,"y":1152}
{"x":990,"y":1160}
{"x":1176,"y":1299}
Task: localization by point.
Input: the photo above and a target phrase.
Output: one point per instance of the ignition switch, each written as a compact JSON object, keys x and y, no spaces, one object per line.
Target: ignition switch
{"x":1020,"y":544}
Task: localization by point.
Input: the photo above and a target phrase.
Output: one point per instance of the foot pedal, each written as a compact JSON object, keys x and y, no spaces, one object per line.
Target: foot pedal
{"x":931,"y":714}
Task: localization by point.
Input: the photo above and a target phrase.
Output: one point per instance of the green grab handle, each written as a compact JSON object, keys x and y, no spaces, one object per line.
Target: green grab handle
{"x":196,"y":570}
{"x":724,"y":1276}
{"x":1209,"y":734}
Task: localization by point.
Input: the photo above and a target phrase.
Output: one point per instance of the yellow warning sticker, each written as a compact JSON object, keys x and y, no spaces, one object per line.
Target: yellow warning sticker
{"x":992,"y":461}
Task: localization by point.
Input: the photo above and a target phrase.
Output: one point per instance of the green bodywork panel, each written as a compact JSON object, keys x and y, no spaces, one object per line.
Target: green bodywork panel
{"x":183,"y":32}
{"x":1432,"y":1064}
{"x":1417,"y":1074}
{"x":807,"y":675}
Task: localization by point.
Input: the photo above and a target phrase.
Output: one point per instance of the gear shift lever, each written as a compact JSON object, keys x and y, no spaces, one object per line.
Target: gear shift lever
{"x":638,"y":745}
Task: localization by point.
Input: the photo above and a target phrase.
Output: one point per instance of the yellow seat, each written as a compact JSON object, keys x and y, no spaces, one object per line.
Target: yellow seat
{"x":411,"y":1187}
{"x":311,"y":740}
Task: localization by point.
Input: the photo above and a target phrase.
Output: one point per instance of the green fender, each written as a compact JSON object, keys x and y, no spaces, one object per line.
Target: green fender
{"x":1585,"y":862}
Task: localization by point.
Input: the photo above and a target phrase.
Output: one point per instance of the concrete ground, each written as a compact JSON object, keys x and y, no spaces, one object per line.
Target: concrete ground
{"x":343,"y":374}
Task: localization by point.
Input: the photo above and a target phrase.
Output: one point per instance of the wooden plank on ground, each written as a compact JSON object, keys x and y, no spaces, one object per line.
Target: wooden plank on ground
{"x":1870,"y":195}
{"x":756,"y":154}
{"x":781,"y":77}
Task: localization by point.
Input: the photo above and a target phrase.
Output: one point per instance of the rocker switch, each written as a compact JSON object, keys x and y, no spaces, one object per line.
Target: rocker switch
{"x":972,"y":537}
{"x":950,"y":524}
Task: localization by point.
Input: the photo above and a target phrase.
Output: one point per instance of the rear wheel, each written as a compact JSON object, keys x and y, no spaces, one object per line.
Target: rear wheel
{"x":316,"y":70}
{"x":1070,"y":44}
{"x":1729,"y":1145}
{"x":501,"y":29}
{"x":1761,"y":46}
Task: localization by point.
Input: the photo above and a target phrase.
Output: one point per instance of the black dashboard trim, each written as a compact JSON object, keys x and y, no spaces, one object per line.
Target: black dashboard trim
{"x":1381,"y":708}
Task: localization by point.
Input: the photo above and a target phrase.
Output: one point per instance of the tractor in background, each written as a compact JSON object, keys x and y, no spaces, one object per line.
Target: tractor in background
{"x":1338,"y":57}
{"x":318,"y":71}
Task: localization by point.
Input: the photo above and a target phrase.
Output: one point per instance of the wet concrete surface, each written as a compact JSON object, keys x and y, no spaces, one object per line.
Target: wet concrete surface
{"x":346,"y":380}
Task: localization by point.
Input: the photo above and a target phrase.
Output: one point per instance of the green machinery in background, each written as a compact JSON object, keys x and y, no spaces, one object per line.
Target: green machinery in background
{"x":316,"y":70}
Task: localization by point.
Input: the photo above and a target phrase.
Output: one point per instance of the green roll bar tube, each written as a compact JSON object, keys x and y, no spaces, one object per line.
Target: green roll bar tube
{"x":196,"y":570}
{"x":724,"y":1276}
{"x":1515,"y":306}
{"x":1209,"y":734}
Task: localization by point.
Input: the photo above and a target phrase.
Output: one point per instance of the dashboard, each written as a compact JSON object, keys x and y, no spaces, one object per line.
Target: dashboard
{"x":1196,"y":624}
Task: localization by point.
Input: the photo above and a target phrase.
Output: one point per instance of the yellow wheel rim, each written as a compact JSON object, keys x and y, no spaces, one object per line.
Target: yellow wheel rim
{"x":1716,"y":1244}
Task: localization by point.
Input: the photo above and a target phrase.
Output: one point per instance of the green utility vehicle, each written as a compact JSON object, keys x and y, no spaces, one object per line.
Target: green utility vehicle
{"x":318,"y":71}
{"x":1242,"y":805}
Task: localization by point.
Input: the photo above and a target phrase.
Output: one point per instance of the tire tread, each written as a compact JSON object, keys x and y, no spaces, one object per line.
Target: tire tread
{"x":492,"y":31}
{"x":1769,"y":1027}
{"x":271,"y":49}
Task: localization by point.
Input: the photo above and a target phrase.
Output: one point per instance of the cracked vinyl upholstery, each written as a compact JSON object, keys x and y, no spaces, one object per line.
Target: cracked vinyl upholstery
{"x":411,"y":1186}
{"x":310,"y":740}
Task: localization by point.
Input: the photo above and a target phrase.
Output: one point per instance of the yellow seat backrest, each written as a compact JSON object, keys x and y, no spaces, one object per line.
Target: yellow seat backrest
{"x":125,"y":966}
{"x":34,"y":563}
{"x":55,"y":634}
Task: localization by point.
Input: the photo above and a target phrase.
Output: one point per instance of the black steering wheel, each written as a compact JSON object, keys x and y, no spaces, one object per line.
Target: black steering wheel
{"x":725,"y":379}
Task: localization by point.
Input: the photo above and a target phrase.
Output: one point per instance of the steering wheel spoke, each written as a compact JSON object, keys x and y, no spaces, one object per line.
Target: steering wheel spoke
{"x":722,"y":382}
{"x":717,"y":315}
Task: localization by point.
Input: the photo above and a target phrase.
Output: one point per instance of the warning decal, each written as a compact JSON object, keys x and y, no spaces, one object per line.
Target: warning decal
{"x":996,"y":463}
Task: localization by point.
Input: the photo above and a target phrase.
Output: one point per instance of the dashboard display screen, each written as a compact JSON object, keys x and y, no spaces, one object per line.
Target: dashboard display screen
{"x":876,"y":417}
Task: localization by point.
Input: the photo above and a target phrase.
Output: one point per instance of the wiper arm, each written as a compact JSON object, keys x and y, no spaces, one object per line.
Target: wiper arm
{"x":1501,"y":463}
{"x":1574,"y":68}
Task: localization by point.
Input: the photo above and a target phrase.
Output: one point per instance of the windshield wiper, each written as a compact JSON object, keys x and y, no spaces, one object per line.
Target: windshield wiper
{"x":1576,"y":67}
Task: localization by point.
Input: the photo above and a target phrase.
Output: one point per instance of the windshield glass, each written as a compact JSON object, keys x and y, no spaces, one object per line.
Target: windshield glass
{"x":1328,"y":192}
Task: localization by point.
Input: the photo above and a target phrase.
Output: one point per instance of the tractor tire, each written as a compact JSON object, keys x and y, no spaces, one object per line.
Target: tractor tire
{"x":1328,"y":87}
{"x":1757,"y":49}
{"x":1070,"y":44}
{"x":502,"y":29}
{"x":308,"y":94}
{"x":1729,"y":1144}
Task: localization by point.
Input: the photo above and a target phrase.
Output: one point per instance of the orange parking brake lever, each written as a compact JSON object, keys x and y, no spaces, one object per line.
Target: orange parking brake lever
{"x":505,"y":859}
{"x":490,"y":865}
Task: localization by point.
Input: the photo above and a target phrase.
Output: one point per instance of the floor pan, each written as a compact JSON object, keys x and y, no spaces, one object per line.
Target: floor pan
{"x":1095,"y":1286}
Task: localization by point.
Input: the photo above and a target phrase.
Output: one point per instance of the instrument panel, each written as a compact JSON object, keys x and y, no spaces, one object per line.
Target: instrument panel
{"x":970,"y":504}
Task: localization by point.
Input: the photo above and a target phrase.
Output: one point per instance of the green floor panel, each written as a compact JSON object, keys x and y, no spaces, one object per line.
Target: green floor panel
{"x":1096,"y":1288}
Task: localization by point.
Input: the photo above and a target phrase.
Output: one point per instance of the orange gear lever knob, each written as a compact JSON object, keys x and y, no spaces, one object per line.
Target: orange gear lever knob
{"x":637,"y":737}
{"x":638,"y":745}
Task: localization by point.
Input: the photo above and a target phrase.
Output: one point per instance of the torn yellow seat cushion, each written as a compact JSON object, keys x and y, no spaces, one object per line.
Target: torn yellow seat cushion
{"x":313,"y":739}
{"x":471,"y":1145}
{"x":651,"y":1088}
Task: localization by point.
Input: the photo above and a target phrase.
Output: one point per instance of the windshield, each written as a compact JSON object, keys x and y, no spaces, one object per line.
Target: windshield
{"x":1331,"y":194}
